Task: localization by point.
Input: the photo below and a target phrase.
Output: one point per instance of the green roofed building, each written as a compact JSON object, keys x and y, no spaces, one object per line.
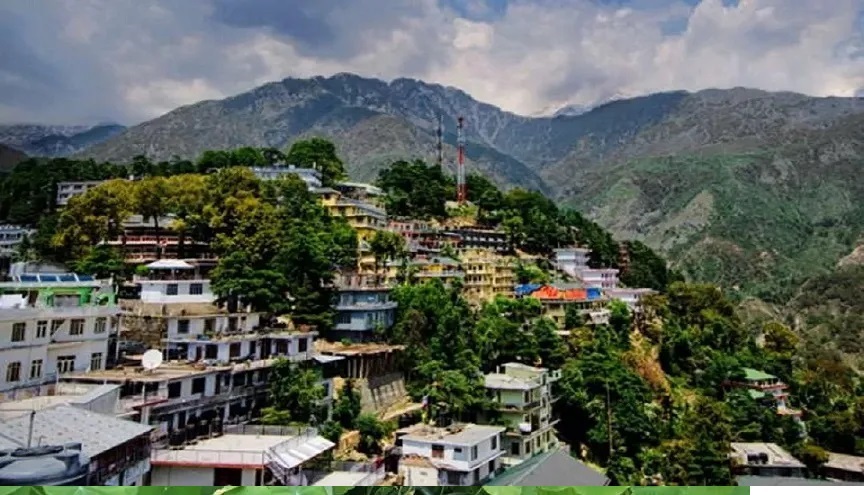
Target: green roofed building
{"x":762,"y":385}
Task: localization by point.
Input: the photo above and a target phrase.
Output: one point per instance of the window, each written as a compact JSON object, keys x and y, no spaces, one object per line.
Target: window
{"x":19,"y":331}
{"x":343,"y":319}
{"x":96,"y":361}
{"x":304,"y":345}
{"x":209,"y":325}
{"x":198,"y":385}
{"x":211,"y":352}
{"x":492,"y":467}
{"x":473,"y":452}
{"x":196,"y":289}
{"x":174,"y":389}
{"x":234,"y":350}
{"x":13,"y":372}
{"x":437,"y":451}
{"x":76,"y":327}
{"x":182,"y":326}
{"x":171,"y":289}
{"x":514,"y":449}
{"x":101,"y":325}
{"x":65,"y":364}
{"x":35,"y":369}
{"x":495,"y":443}
{"x":41,"y":329}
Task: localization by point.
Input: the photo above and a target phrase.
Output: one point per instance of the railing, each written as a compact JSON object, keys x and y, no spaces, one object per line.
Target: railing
{"x":269,"y":430}
{"x":208,"y":457}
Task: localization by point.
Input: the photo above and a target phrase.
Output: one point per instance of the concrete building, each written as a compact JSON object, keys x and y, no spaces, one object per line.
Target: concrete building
{"x":487,"y":275}
{"x":574,"y":263}
{"x":10,"y":237}
{"x":440,"y":268}
{"x":553,"y":468}
{"x":360,"y":191}
{"x":765,"y":459}
{"x":142,"y":242}
{"x":844,"y":467}
{"x":765,"y":386}
{"x":70,"y":189}
{"x":523,"y":398}
{"x":362,"y":305}
{"x":310,"y":176}
{"x":631,"y":297}
{"x":459,"y":455}
{"x":374,"y":368}
{"x":119,"y":450}
{"x":253,"y":457}
{"x":557,"y":298}
{"x":479,"y":238}
{"x":51,"y":324}
{"x":364,"y":217}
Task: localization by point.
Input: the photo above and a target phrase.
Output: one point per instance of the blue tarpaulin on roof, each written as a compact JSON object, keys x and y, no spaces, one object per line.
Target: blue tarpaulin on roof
{"x":594,"y":293}
{"x":525,"y":289}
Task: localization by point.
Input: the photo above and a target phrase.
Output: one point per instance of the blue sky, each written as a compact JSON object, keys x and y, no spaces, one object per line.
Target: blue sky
{"x":81,"y":61}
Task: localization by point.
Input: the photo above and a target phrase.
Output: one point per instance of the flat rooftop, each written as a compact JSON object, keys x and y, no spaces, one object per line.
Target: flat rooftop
{"x":169,"y":371}
{"x":500,"y":381}
{"x":343,"y":349}
{"x":845,"y":462}
{"x":777,"y":456}
{"x":238,"y":451}
{"x":469,"y":434}
{"x":342,"y":478}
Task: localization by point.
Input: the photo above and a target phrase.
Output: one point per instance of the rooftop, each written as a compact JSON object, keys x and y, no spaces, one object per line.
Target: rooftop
{"x":501,"y":381}
{"x":226,"y":450}
{"x":170,"y":370}
{"x":135,"y":307}
{"x":342,"y":478}
{"x":756,"y":375}
{"x":35,"y":279}
{"x":79,"y":395}
{"x":353,"y":349}
{"x":66,"y":424}
{"x":787,"y":481}
{"x":553,"y":468}
{"x":845,"y":462}
{"x":777,"y":456}
{"x":469,"y":434}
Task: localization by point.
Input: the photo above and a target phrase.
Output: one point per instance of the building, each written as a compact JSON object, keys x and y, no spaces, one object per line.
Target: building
{"x":765,"y":459}
{"x":424,"y":235}
{"x":459,"y":455}
{"x":844,"y":467}
{"x":557,"y":298}
{"x":310,"y":176}
{"x":118,"y":450}
{"x":487,"y":275}
{"x":574,"y":263}
{"x":523,"y":398}
{"x":10,"y":237}
{"x":362,"y":305}
{"x":251,"y":456}
{"x":176,"y":312}
{"x":479,"y":238}
{"x":364,"y":217}
{"x":359,"y":191}
{"x":45,"y":465}
{"x":631,"y":297}
{"x":553,"y":468}
{"x":51,"y":324}
{"x":764,"y":386}
{"x":142,"y":242}
{"x":68,"y":190}
{"x":441,"y":268}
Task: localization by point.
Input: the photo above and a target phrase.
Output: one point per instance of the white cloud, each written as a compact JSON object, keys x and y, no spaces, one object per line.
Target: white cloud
{"x":132,"y":60}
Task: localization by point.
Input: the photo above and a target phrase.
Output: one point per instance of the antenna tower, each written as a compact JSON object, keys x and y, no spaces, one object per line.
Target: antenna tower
{"x":461,"y":187}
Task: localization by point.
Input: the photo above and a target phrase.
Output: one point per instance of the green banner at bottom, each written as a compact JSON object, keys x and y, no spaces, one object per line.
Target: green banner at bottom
{"x":374,"y":490}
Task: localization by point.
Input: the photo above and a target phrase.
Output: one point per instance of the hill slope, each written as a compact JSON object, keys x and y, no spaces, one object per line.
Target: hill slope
{"x":9,"y":157}
{"x":55,"y":141}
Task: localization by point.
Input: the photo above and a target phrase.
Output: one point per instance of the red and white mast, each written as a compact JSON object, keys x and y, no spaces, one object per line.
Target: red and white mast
{"x":461,"y":186}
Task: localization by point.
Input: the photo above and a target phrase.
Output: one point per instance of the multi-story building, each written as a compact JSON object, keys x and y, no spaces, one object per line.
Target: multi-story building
{"x":310,"y":176}
{"x":557,"y":298}
{"x":375,"y":369}
{"x":364,"y":217}
{"x":765,"y":386}
{"x":426,"y":268}
{"x":141,"y":242}
{"x":574,"y":262}
{"x":359,"y":191}
{"x":487,"y":275}
{"x":362,"y":305}
{"x":765,"y":459}
{"x":523,"y":398}
{"x":479,"y":238}
{"x":459,"y":455}
{"x":52,"y":324}
{"x":631,"y":297}
{"x":10,"y":237}
{"x":68,"y":190}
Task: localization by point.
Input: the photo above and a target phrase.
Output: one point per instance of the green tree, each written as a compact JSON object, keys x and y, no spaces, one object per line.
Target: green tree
{"x":814,"y":457}
{"x":372,"y":432}
{"x":319,"y":154}
{"x":347,"y":407}
{"x":102,"y":262}
{"x":386,"y":246}
{"x":151,"y":201}
{"x":295,"y":394}
{"x":415,"y":190}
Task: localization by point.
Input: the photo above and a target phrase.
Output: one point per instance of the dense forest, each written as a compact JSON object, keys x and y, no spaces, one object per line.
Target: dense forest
{"x":660,"y":380}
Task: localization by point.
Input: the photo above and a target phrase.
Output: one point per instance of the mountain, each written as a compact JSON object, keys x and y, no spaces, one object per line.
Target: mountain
{"x":55,"y":141}
{"x":9,"y":157}
{"x":747,"y":188}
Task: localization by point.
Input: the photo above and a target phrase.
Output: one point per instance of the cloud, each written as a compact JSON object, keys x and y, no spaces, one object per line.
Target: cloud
{"x":72,"y":61}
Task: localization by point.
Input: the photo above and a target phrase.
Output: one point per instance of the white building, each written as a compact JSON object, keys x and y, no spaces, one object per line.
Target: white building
{"x":310,"y":176}
{"x":50,"y":325}
{"x":574,"y":262}
{"x":523,"y":397}
{"x":631,"y":297}
{"x":251,"y":459}
{"x":10,"y":237}
{"x":68,"y":190}
{"x":459,"y":455}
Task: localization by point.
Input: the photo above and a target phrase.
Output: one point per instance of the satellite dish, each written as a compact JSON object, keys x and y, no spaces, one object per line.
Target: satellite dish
{"x":151,"y":359}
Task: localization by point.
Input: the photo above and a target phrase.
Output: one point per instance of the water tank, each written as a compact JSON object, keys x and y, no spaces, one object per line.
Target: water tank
{"x":55,"y":465}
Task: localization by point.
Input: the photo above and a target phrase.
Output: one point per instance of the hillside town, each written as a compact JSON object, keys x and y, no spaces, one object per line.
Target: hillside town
{"x":165,"y":378}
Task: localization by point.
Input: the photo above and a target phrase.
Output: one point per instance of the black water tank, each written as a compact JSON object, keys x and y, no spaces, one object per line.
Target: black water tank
{"x":55,"y":465}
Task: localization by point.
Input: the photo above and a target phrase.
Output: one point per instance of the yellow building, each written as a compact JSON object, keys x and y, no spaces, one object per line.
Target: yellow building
{"x":487,"y":275}
{"x":422,"y":268}
{"x":364,"y":217}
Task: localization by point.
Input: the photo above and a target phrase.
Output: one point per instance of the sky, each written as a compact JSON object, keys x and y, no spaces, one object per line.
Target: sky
{"x":126,"y":61}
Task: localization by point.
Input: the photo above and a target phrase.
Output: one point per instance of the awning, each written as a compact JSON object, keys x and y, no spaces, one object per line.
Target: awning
{"x":292,"y":453}
{"x":170,"y":265}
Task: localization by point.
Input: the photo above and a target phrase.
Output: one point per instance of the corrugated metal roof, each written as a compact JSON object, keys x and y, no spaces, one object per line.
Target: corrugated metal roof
{"x":65,"y":424}
{"x":553,"y":468}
